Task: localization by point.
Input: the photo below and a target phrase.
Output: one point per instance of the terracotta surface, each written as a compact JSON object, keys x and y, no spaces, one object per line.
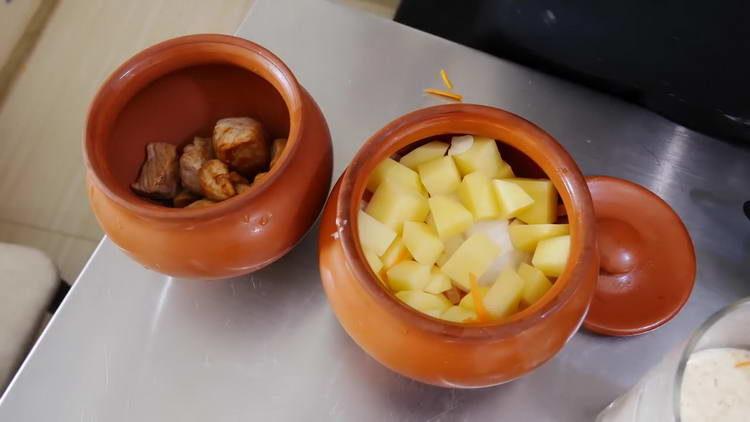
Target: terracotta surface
{"x":174,"y":91}
{"x":439,"y":352}
{"x":647,"y":259}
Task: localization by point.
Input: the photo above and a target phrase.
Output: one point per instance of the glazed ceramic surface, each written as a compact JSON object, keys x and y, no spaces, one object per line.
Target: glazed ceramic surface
{"x":174,"y":91}
{"x":435,"y":351}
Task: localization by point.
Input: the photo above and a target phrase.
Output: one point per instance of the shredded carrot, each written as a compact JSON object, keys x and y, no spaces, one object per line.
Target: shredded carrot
{"x":482,"y":314}
{"x":446,"y":94}
{"x":447,"y":82}
{"x":742,"y":364}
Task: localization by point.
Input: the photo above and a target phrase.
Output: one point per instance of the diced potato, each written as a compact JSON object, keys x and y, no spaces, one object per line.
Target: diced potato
{"x":477,"y":196}
{"x":504,"y":296}
{"x":422,"y":242}
{"x":460,"y":144}
{"x":505,"y":171}
{"x":544,"y":208}
{"x":397,"y":173}
{"x":408,"y":275}
{"x":458,"y":314}
{"x":526,"y":236}
{"x":374,"y":235}
{"x":482,"y":156}
{"x":433,"y":305}
{"x":374,"y":261}
{"x":451,"y":244}
{"x":424,"y":153}
{"x":467,"y":302}
{"x":395,"y":253}
{"x":511,"y":198}
{"x":551,"y":255}
{"x":439,"y":282}
{"x":535,"y":285}
{"x":439,"y":176}
{"x":392,"y":205}
{"x":497,"y":232}
{"x":450,"y":217}
{"x":472,"y":257}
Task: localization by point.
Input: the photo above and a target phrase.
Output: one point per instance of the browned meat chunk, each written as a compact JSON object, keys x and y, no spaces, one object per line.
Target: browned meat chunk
{"x":237,"y":179}
{"x":159,"y":177}
{"x":201,"y":203}
{"x":184,"y":198}
{"x":241,"y":188}
{"x":193,"y":157}
{"x":241,"y":143}
{"x":277,"y":147}
{"x":215,"y":181}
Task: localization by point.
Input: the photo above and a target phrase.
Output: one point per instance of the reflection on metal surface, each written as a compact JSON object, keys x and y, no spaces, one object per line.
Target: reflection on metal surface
{"x":674,"y":149}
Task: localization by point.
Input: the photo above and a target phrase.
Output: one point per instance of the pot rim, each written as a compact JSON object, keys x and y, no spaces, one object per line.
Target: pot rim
{"x":526,"y":137}
{"x":170,"y":56}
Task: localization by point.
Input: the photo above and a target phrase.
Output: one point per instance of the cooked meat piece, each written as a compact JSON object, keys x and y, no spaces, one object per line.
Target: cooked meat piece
{"x":259,"y":176}
{"x":193,"y":157}
{"x":241,"y":188}
{"x":237,"y":179}
{"x":184,"y":198}
{"x":201,"y":203}
{"x":215,"y":181}
{"x":241,"y":143}
{"x":159,"y":176}
{"x":277,"y":147}
{"x":453,"y":295}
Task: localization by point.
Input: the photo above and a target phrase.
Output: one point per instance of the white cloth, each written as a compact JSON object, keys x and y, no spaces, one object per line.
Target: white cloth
{"x":28,"y":280}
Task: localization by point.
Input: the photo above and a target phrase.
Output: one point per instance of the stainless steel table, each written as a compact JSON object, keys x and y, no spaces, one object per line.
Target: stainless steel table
{"x":132,"y":345}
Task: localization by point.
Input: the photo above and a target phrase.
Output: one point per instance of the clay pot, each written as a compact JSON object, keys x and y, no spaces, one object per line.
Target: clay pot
{"x":179,"y":89}
{"x":440,"y":352}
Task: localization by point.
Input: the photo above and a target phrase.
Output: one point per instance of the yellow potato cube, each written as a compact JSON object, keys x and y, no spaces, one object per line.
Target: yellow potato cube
{"x":467,"y":302}
{"x":511,"y":199}
{"x":451,"y":244}
{"x":408,"y":275}
{"x":544,"y":208}
{"x":551,"y":255}
{"x":477,"y":196}
{"x":526,"y":236}
{"x":439,"y":282}
{"x":458,"y":314}
{"x":482,"y":156}
{"x":433,"y":305}
{"x":392,"y":205}
{"x":395,"y":253}
{"x":399,"y":174}
{"x":450,"y":217}
{"x":505,"y":171}
{"x":424,"y":153}
{"x":374,"y":235}
{"x":505,"y":294}
{"x":535,"y":285}
{"x":374,"y":261}
{"x":473,"y":256}
{"x":422,"y":242}
{"x":439,"y":176}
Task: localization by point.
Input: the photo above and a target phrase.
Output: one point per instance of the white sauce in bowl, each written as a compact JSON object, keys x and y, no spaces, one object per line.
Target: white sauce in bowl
{"x":716,"y":386}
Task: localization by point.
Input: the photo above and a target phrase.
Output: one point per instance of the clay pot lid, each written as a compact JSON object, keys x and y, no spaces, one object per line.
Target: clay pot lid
{"x":647,"y":261}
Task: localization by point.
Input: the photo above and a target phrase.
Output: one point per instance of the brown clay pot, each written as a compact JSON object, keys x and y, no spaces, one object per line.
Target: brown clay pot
{"x":174,"y":91}
{"x":439,"y":352}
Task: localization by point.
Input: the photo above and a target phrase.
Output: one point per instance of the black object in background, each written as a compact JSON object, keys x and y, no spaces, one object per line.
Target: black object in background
{"x":687,"y":60}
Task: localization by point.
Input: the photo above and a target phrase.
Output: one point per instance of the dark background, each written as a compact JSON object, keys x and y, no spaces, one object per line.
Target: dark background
{"x":687,"y":60}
